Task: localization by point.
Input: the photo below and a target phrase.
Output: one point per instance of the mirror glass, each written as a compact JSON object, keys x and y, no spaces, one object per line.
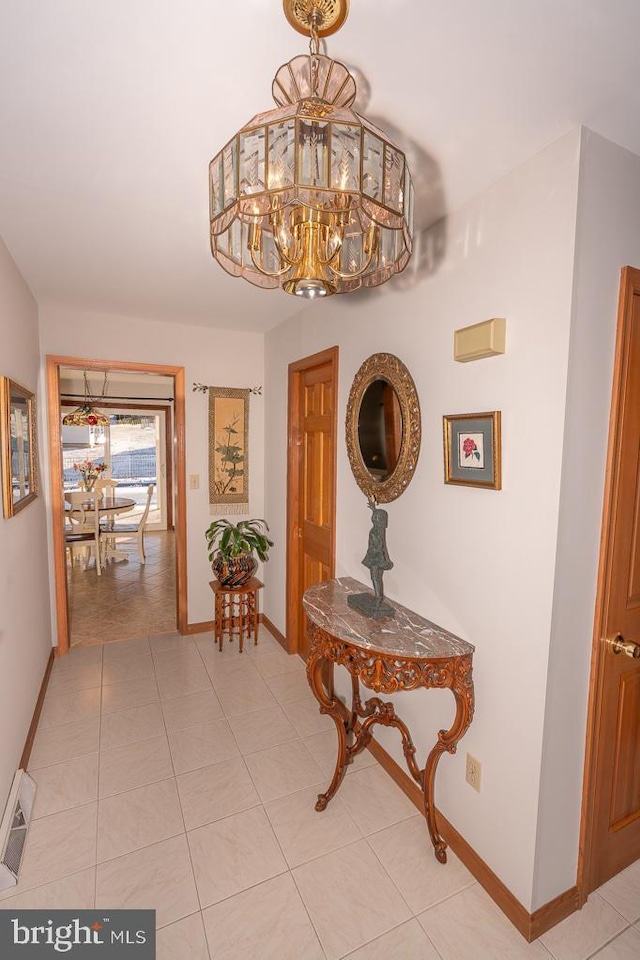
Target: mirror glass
{"x":20,"y":442}
{"x":380,"y":429}
{"x":383,"y":427}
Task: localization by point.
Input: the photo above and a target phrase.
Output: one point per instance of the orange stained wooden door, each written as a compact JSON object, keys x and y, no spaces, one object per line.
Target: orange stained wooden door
{"x":311,"y":483}
{"x":613,"y":831}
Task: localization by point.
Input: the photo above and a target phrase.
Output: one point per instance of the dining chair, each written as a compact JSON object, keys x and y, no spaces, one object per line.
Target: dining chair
{"x":76,"y":513}
{"x":84,"y":516}
{"x":107,"y":486}
{"x":126,"y":531}
{"x":71,"y":526}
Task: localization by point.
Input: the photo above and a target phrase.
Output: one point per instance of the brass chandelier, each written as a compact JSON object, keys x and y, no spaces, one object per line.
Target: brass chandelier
{"x":310,"y":196}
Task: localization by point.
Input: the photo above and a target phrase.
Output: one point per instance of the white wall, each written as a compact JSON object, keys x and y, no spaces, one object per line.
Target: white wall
{"x":513,"y":572}
{"x":212,"y":357}
{"x":25,"y":627}
{"x":142,"y":386}
{"x":479,"y":562}
{"x":607,"y":238}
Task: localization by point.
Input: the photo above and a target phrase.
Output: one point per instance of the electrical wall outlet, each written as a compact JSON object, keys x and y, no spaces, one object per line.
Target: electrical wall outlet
{"x":474,"y":772}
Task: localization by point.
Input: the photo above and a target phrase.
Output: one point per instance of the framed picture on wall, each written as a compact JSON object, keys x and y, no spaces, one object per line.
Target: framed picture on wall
{"x":472,"y":455}
{"x":18,"y":443}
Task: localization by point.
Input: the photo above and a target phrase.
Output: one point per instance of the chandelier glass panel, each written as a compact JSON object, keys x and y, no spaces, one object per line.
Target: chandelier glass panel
{"x":310,"y":196}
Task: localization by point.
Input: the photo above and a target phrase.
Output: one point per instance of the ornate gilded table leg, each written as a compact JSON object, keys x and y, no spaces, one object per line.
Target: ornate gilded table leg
{"x":462,"y":689}
{"x":330,"y":705}
{"x":356,"y":705}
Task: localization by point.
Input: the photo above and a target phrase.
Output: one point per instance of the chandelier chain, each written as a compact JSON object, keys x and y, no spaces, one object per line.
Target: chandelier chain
{"x":89,"y":397}
{"x":314,"y":51}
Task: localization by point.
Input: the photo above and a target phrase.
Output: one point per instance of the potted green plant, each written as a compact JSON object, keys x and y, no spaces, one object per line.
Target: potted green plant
{"x":233,"y":547}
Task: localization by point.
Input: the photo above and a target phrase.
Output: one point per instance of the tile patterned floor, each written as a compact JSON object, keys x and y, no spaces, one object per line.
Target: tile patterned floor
{"x":174,"y":776}
{"x":129,"y":598}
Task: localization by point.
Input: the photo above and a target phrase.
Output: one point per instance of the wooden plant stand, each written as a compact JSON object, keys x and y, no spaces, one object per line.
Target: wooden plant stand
{"x":236,"y":611}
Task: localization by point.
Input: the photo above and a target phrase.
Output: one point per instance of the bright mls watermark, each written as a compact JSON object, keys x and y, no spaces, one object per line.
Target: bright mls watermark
{"x":78,"y":934}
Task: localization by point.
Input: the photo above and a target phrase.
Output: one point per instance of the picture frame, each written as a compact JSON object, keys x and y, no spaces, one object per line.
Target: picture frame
{"x":18,"y":446}
{"x":472,"y":449}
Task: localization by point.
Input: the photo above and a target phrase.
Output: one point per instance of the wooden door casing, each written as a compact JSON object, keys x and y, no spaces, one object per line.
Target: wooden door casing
{"x":54,"y":363}
{"x":611,"y":810}
{"x":311,"y":484}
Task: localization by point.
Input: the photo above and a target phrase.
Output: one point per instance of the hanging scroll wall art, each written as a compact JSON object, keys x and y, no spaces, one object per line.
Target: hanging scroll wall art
{"x":228,"y":450}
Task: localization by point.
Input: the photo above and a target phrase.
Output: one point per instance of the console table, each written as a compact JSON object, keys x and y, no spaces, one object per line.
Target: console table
{"x":403,"y":652}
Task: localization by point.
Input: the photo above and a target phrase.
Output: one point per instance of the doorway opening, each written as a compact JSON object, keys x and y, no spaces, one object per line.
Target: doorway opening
{"x":143,"y":449}
{"x":136,"y":447}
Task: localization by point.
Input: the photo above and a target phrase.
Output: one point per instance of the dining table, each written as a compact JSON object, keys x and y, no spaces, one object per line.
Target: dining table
{"x":109,"y":507}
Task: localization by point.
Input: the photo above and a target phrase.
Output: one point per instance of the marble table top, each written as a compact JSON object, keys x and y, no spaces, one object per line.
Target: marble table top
{"x":405,"y":635}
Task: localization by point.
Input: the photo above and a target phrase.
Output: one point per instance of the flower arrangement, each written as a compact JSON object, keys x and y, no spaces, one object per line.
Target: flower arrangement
{"x":89,"y":471}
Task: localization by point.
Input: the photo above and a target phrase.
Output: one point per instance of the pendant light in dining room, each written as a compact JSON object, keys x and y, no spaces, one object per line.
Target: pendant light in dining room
{"x":86,"y":415}
{"x":310,"y":196}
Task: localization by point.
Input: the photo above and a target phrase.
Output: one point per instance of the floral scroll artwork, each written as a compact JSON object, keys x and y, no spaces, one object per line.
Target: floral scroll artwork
{"x":472,"y":454}
{"x":228,"y":450}
{"x":89,"y":471}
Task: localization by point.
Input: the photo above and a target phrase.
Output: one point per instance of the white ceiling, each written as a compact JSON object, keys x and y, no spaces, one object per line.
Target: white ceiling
{"x":111,"y":111}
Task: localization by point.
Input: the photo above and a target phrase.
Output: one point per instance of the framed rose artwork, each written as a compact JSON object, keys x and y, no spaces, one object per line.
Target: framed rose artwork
{"x":472,"y":449}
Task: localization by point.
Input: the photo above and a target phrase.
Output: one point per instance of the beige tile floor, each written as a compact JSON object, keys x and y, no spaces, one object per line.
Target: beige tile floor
{"x":177,"y":777}
{"x":129,"y":599}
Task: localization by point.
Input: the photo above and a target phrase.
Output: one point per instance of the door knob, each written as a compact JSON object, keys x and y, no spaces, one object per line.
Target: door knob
{"x":619,"y":645}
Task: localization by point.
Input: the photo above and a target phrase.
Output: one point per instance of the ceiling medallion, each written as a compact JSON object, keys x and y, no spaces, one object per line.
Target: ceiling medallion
{"x":310,"y":196}
{"x":328,"y":15}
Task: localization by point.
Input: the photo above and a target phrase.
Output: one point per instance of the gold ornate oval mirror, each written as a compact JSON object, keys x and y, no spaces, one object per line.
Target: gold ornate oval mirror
{"x":383,"y":427}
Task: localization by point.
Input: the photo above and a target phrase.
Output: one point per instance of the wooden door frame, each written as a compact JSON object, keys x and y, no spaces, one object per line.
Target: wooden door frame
{"x":629,"y":287}
{"x":57,"y":498}
{"x":294,"y":460}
